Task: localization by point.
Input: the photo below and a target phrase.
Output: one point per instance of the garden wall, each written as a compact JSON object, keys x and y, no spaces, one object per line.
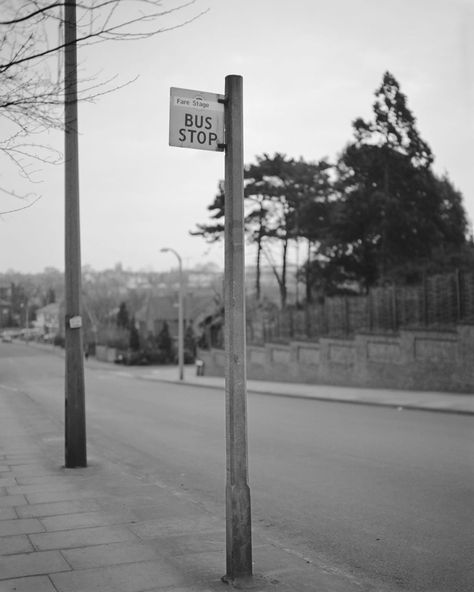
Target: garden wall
{"x":412,"y":359}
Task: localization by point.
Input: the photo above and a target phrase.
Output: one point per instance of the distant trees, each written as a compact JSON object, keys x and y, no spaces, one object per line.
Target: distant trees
{"x":379,"y":214}
{"x":280,"y":193}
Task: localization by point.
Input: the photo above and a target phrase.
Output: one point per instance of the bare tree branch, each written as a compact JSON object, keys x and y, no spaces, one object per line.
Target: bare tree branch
{"x":18,"y":209}
{"x":32,"y":86}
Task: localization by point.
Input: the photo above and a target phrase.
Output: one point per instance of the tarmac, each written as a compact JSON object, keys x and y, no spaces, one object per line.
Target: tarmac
{"x":107,"y":528}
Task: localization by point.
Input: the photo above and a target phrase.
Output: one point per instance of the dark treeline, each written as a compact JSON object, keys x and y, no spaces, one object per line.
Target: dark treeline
{"x":377,"y":215}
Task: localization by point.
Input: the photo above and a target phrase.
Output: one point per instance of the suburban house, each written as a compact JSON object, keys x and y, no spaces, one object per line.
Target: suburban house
{"x":48,"y":319}
{"x":6,"y":305}
{"x":164,"y":308}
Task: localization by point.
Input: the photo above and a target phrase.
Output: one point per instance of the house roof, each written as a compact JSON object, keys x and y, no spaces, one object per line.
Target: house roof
{"x":165,"y":308}
{"x":49,"y":309}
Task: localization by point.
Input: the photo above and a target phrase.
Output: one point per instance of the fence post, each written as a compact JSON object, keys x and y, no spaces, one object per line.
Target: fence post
{"x":458,"y":285}
{"x":425,"y":300}
{"x":369,"y":310}
{"x":307,"y":322}
{"x":347,"y":321}
{"x":394,"y":308}
{"x":324,"y":318}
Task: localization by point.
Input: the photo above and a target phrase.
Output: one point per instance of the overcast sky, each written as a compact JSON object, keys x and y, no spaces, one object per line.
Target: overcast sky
{"x":309,"y":68}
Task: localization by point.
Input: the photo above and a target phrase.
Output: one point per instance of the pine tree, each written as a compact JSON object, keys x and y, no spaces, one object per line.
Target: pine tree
{"x":164,"y":343}
{"x":134,"y":339}
{"x":392,"y":210}
{"x":123,"y":318}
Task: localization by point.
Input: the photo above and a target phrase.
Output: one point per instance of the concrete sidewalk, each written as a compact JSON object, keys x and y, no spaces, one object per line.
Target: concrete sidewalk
{"x":108,"y":529}
{"x":421,"y":400}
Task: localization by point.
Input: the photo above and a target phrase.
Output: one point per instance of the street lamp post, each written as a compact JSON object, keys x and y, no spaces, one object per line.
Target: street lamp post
{"x":180,"y":312}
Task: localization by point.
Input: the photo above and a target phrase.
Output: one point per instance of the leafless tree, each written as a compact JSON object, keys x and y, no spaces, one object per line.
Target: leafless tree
{"x":31,"y":66}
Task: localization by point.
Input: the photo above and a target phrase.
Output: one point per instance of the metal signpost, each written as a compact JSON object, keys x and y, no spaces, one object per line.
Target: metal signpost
{"x":200,"y":120}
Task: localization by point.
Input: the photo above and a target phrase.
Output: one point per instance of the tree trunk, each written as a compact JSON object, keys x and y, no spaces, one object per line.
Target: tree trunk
{"x":283,"y":288}
{"x":309,"y":293}
{"x":258,"y":271}
{"x":257,"y":278}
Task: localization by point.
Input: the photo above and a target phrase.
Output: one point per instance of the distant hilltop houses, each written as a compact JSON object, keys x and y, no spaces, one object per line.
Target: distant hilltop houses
{"x":32,"y":305}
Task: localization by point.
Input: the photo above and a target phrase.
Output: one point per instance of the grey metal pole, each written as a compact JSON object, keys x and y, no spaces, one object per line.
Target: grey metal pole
{"x":238,"y":515}
{"x":180,"y":312}
{"x":180,"y":321}
{"x":75,"y":421}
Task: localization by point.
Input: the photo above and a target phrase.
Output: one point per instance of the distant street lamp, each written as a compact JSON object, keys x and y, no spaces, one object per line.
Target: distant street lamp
{"x":180,"y":313}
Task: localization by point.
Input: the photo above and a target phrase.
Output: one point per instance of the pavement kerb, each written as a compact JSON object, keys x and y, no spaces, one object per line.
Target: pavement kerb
{"x":390,"y":404}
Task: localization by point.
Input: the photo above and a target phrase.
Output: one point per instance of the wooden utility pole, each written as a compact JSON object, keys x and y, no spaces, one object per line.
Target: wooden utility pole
{"x":238,"y":515}
{"x":75,"y":423}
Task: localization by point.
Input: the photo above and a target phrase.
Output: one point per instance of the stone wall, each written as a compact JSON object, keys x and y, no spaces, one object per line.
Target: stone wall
{"x":418,"y":360}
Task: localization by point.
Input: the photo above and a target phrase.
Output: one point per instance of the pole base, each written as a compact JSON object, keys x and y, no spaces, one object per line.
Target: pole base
{"x":253,"y":582}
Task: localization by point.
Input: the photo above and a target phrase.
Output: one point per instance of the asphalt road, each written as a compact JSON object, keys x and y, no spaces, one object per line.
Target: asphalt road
{"x":384,"y":495}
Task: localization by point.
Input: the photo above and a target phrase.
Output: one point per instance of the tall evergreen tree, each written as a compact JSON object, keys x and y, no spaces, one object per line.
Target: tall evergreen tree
{"x":164,"y":343}
{"x":393,"y":209}
{"x":123,"y":318}
{"x":134,"y":338}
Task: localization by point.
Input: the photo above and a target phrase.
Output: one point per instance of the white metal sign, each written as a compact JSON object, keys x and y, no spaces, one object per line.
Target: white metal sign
{"x":196,"y":119}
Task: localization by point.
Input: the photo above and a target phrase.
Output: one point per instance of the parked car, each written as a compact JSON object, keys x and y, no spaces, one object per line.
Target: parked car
{"x":6,"y":338}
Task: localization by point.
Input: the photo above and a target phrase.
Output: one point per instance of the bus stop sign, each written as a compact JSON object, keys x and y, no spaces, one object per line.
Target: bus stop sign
{"x":196,"y":119}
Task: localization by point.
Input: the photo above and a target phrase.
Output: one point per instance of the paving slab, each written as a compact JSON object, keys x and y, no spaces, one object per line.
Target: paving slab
{"x":10,"y":545}
{"x":112,"y":554}
{"x":201,"y":523}
{"x":39,"y":479}
{"x":7,"y":513}
{"x":8,"y":482}
{"x":57,"y":508}
{"x":20,"y":526}
{"x":205,"y":568}
{"x":42,"y":497}
{"x":12,"y":500}
{"x":135,"y":577}
{"x":84,"y":520}
{"x":191,"y":543}
{"x":24,"y":463}
{"x":21,"y":565}
{"x":32,"y":470}
{"x":40,"y":488}
{"x":68,"y":539}
{"x":31,"y":584}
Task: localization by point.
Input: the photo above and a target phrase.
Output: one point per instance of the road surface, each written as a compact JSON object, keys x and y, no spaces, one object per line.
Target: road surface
{"x":383,"y":495}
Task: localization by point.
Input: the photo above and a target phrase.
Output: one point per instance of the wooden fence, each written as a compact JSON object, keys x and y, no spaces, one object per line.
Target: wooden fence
{"x":441,"y":301}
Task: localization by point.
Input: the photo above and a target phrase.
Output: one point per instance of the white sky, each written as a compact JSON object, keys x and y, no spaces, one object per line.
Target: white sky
{"x":310,"y":67}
